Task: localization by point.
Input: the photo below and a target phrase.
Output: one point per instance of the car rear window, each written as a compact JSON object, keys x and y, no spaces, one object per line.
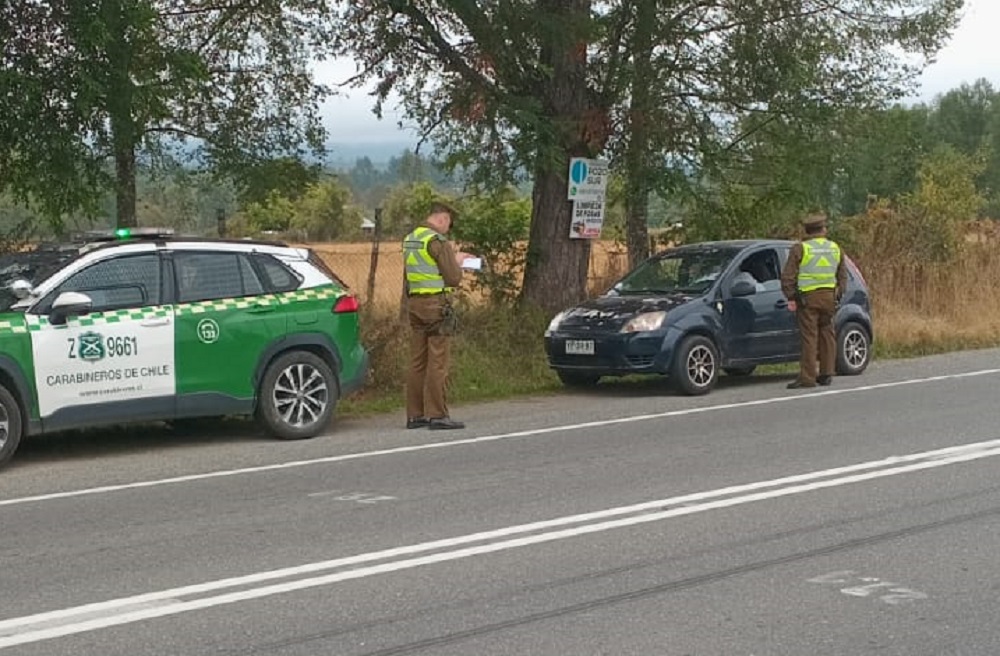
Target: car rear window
{"x":853,"y":268}
{"x":277,"y":276}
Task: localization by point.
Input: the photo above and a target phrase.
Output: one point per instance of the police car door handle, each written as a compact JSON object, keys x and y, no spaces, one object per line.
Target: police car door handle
{"x":152,"y":323}
{"x":258,"y":309}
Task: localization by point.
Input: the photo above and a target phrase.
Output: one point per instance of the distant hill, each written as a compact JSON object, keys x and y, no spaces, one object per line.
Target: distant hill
{"x":344,"y":155}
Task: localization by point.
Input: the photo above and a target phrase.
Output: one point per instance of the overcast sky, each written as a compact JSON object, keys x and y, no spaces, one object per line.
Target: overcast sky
{"x":972,"y":53}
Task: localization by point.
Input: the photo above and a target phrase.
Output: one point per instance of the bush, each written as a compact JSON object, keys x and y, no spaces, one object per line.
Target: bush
{"x":495,"y":228}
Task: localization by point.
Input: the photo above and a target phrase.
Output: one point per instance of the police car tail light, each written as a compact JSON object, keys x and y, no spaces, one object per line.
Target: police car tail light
{"x":347,"y":303}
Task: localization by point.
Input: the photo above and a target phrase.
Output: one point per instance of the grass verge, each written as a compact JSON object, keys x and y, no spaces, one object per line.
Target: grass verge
{"x":495,"y":355}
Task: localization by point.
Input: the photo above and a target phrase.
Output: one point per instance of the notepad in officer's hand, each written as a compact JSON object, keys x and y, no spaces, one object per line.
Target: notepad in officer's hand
{"x":473,"y":263}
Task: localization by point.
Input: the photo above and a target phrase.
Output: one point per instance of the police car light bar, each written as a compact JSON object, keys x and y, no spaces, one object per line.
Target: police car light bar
{"x":122,"y":234}
{"x":129,"y":233}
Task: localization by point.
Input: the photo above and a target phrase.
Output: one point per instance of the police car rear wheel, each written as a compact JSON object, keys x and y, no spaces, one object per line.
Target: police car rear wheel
{"x":10,"y":425}
{"x":297,"y":396}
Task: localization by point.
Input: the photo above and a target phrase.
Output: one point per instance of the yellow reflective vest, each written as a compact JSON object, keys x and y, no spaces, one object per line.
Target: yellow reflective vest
{"x":818,"y":268}
{"x":422,"y":273}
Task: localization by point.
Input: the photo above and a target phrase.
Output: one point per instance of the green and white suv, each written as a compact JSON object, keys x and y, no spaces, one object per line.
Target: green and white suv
{"x":145,"y":326}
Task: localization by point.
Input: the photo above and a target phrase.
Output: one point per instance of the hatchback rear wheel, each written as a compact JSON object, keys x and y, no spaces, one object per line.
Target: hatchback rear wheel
{"x":853,"y":349}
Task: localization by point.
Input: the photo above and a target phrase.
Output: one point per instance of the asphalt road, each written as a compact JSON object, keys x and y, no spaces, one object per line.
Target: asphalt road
{"x":862,"y":518}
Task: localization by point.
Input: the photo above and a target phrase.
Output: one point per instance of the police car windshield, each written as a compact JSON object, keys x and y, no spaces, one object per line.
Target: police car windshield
{"x":34,"y":266}
{"x":689,"y":272}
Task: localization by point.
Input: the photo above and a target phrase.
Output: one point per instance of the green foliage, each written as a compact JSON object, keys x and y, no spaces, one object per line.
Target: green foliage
{"x":946,"y":185}
{"x":495,"y":227}
{"x":100,"y":83}
{"x":407,"y":205}
{"x":324,"y":211}
{"x":288,"y":176}
{"x":945,"y":199}
{"x":924,"y":227}
{"x":274,"y":214}
{"x":738,"y":212}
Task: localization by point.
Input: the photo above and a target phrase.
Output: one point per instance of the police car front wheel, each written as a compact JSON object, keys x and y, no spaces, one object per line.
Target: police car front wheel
{"x":297,"y":396}
{"x":10,"y":425}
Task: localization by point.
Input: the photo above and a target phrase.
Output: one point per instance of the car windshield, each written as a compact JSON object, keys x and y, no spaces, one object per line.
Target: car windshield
{"x":34,"y":266}
{"x":678,"y":272}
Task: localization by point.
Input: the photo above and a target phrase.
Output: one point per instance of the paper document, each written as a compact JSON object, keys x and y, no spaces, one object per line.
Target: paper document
{"x":473,"y":263}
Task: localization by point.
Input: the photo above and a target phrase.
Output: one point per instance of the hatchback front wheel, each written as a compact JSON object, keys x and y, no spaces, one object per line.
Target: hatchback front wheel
{"x":696,"y":365}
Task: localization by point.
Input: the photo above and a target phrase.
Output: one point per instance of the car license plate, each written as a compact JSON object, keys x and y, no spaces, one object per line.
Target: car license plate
{"x":579,"y":347}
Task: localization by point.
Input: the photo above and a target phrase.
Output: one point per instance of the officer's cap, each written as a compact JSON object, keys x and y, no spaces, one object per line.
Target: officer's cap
{"x":814,"y":221}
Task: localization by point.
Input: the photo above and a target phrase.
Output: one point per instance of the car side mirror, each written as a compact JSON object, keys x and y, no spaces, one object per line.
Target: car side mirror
{"x":21,"y":289}
{"x":742,"y":288}
{"x":69,"y":304}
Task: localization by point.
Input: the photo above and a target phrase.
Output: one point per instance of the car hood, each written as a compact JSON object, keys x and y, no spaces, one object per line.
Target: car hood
{"x":609,"y":313}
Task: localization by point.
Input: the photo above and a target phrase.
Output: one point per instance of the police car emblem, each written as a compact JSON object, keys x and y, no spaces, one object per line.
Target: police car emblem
{"x":208,"y":331}
{"x":91,"y":347}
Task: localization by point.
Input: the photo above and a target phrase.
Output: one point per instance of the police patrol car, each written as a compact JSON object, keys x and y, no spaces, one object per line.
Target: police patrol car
{"x":141,"y":325}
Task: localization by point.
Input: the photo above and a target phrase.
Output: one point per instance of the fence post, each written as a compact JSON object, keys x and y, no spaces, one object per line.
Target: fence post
{"x":220,"y":221}
{"x":376,"y":240}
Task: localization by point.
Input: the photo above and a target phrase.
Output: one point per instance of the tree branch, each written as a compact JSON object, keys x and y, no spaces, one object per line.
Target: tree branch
{"x":449,"y":56}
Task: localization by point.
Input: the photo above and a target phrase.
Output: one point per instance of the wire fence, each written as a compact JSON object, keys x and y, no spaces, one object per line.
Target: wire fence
{"x":352,"y":262}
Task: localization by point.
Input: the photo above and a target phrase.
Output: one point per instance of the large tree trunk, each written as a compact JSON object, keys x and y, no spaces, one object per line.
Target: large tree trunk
{"x":121,"y":94}
{"x":555,"y":274}
{"x":637,"y":159}
{"x":125,"y":196}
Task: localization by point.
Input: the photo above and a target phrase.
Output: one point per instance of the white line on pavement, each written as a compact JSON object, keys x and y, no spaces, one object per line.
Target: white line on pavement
{"x":90,"y":617}
{"x":811,"y":394}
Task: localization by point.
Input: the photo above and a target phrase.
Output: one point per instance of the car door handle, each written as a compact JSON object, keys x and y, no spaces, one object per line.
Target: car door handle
{"x":783,"y":303}
{"x":260,"y":309}
{"x":152,"y":323}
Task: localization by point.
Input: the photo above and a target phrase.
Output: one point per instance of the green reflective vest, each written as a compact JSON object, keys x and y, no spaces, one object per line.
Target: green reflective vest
{"x":818,"y":268}
{"x":422,"y":273}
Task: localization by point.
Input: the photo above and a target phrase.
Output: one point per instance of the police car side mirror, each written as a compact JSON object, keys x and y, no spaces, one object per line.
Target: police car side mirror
{"x":69,"y":304}
{"x":742,"y":288}
{"x":21,"y":289}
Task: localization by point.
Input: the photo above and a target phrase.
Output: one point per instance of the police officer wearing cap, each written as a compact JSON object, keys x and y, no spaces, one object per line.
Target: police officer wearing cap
{"x":813,"y":280}
{"x":433,"y":270}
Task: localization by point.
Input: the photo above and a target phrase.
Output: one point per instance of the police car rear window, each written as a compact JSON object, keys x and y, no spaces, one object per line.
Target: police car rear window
{"x":277,"y":276}
{"x":209,"y":276}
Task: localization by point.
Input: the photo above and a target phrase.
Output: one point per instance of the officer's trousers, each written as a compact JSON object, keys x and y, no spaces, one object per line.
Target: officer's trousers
{"x":430,"y":354}
{"x":819,"y":343}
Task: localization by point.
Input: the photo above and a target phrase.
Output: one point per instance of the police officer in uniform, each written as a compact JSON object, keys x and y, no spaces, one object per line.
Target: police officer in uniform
{"x":433,"y":270}
{"x":813,"y":280}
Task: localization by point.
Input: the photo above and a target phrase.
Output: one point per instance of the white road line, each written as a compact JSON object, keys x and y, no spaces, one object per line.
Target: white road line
{"x":811,"y":394}
{"x":91,"y":617}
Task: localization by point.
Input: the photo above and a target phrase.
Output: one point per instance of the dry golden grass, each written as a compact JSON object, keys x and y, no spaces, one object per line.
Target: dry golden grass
{"x":922,"y":309}
{"x":352,"y":262}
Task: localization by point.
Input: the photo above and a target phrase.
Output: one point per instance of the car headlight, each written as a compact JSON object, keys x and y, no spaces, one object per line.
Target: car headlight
{"x":554,"y":324}
{"x":644,"y":322}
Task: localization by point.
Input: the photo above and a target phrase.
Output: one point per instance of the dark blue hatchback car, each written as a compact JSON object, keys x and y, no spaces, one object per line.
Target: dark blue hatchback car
{"x":692,"y":311}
